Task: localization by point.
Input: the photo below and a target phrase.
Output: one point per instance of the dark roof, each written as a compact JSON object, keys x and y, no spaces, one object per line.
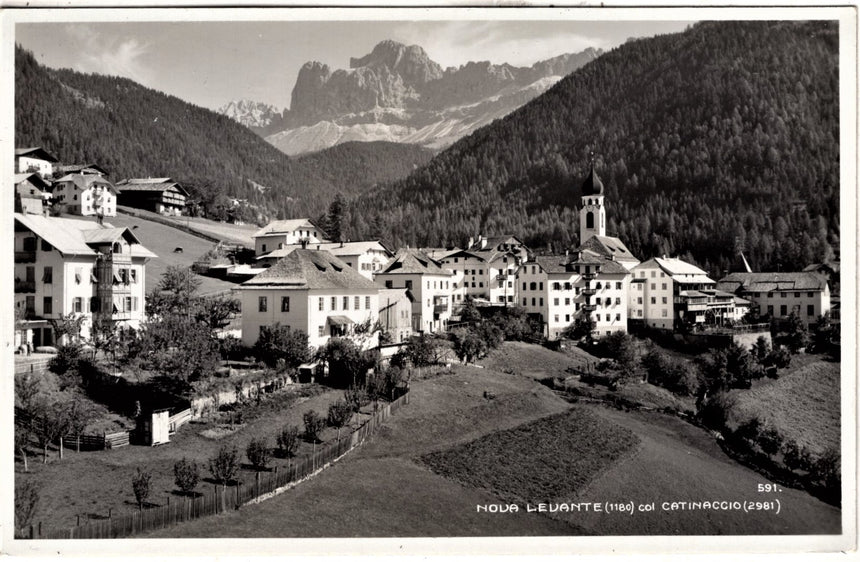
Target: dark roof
{"x":149,"y":184}
{"x":311,"y":269}
{"x":552,"y":264}
{"x":767,"y":282}
{"x":414,"y":261}
{"x":592,"y":184}
{"x":34,"y":179}
{"x":81,"y":169}
{"x":828,"y":266}
{"x":85,"y":181}
{"x":36,"y":152}
{"x":562,"y":264}
{"x":607,"y":246}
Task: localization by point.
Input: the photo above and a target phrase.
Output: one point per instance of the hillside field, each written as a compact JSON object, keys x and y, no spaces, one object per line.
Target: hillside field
{"x":384,"y":490}
{"x":803,"y":404}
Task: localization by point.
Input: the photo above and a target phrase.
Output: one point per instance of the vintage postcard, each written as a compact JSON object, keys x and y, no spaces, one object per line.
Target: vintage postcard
{"x":406,"y":281}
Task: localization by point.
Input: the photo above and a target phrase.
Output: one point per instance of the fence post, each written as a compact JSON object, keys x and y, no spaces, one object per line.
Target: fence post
{"x":257,"y":484}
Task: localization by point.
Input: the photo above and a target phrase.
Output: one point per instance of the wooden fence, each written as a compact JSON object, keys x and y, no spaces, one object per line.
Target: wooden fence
{"x":219,"y":499}
{"x":116,"y":440}
{"x":179,"y":419}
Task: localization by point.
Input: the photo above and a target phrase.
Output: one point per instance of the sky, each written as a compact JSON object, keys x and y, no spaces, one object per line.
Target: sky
{"x":212,"y":63}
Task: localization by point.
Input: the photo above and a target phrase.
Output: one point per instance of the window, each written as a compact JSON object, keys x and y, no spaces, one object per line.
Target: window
{"x":597,"y":301}
{"x":48,"y":275}
{"x":653,"y":286}
{"x":665,"y":301}
{"x":366,"y":303}
{"x":617,"y":300}
{"x":567,"y":302}
{"x":662,"y":274}
{"x":263,"y":304}
{"x":46,"y":246}
{"x":285,"y":304}
{"x":532,"y":286}
{"x":409,"y":283}
{"x":456,"y":260}
{"x":541,"y":301}
{"x":783,"y":295}
{"x":264,"y":249}
{"x":29,"y":244}
{"x":783,"y":310}
{"x":540,"y":286}
{"x":480,"y":284}
{"x":556,"y":286}
{"x":618,"y":316}
{"x":78,"y":275}
{"x":555,"y":302}
{"x":770,"y":309}
{"x":567,"y":317}
{"x":618,"y":285}
{"x":534,"y":270}
{"x":127,"y":304}
{"x":321,"y":331}
{"x":47,"y":305}
{"x":663,"y":286}
{"x":525,"y":301}
{"x":796,"y":295}
{"x":346,"y":303}
{"x":524,"y":285}
{"x":597,"y":318}
{"x":133,"y":274}
{"x":389,"y":284}
{"x":567,"y":286}
{"x":638,"y":300}
{"x":533,"y":301}
{"x":321,"y":303}
{"x":810,"y":310}
{"x":334,"y":303}
{"x":77,"y":304}
{"x":639,"y":313}
{"x":809,"y":294}
{"x":664,"y":313}
{"x":653,"y":300}
{"x":653,"y":274}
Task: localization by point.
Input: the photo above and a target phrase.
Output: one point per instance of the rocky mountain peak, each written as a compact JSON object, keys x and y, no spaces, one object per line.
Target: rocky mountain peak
{"x":411,"y":62}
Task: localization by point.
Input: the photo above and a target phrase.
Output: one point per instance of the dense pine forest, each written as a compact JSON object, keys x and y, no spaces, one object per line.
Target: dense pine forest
{"x":134,"y":131}
{"x":720,"y":138}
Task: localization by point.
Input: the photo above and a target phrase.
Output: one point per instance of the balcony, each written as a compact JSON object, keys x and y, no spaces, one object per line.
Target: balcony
{"x":588,"y":291}
{"x":25,"y":257}
{"x":589,"y":306}
{"x":589,"y":275}
{"x":25,"y":286}
{"x":501,"y":277}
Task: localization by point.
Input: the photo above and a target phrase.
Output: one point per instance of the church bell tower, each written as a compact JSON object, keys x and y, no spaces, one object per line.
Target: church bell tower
{"x":592,"y":215}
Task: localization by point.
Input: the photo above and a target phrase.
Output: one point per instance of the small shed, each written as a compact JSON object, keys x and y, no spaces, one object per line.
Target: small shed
{"x":157,"y":427}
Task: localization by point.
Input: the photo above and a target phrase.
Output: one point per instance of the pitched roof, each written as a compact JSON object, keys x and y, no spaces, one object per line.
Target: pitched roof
{"x":392,"y":296}
{"x":310,"y":269}
{"x":285,"y":226}
{"x":335,"y":248}
{"x":149,"y":184}
{"x":822,"y":267}
{"x":413,"y":261}
{"x":675,"y":266}
{"x":767,"y":282}
{"x":35,"y":179}
{"x":85,"y":181}
{"x":76,"y":237}
{"x":36,"y":152}
{"x":81,"y":169}
{"x":553,"y":264}
{"x":608,"y":246}
{"x":607,"y":265}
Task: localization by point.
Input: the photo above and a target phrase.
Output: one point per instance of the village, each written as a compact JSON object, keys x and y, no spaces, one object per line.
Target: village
{"x":298,"y":306}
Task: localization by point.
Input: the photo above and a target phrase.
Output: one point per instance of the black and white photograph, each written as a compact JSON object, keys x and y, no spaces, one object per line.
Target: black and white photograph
{"x":523,"y":276}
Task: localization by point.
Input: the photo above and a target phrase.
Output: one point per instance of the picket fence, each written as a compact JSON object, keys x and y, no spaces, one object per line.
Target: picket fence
{"x":219,"y":499}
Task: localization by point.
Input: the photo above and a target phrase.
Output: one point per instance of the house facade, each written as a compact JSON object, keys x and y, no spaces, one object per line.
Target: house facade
{"x":35,"y":159}
{"x":85,"y":194}
{"x":429,"y":284}
{"x":159,"y":195}
{"x":32,"y":192}
{"x":665,"y":292}
{"x":313,"y":291}
{"x":807,"y":294}
{"x":68,"y":266}
{"x":293,"y":232}
{"x":395,"y":313}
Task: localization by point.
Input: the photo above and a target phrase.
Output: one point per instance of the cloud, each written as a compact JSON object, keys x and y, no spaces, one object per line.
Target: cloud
{"x":102,"y":54}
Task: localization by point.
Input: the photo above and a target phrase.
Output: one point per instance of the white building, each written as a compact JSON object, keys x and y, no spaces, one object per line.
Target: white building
{"x":777,"y":295}
{"x":368,"y":257}
{"x":293,"y":232}
{"x":312,"y":291}
{"x":429,"y":284}
{"x":557,"y":289}
{"x":667,"y":291}
{"x":35,"y":159}
{"x":85,"y":194}
{"x":65,"y":266}
{"x":592,"y":225}
{"x":395,"y":313}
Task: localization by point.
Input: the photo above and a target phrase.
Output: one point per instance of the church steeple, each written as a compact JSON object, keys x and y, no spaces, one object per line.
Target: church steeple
{"x":592,"y":215}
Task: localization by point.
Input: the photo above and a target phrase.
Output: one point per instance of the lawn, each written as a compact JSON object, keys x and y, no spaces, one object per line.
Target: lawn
{"x":68,"y":488}
{"x":535,"y":361}
{"x":803,"y":404}
{"x":549,"y":459}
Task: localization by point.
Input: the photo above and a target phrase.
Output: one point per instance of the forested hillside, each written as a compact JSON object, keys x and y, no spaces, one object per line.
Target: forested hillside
{"x":724,"y":136}
{"x":135,"y":131}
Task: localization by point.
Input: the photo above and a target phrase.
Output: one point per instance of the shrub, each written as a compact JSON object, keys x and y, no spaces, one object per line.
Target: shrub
{"x":356,"y":397}
{"x":141,"y":483}
{"x":258,"y":453}
{"x":796,"y":457}
{"x":469,"y":345}
{"x":288,"y":440}
{"x":383,"y":384}
{"x":26,"y":501}
{"x":186,"y":474}
{"x":314,"y":424}
{"x":713,"y":410}
{"x":280,"y":342}
{"x":65,"y":360}
{"x":339,"y":413}
{"x":224,"y":465}
{"x":672,"y":374}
